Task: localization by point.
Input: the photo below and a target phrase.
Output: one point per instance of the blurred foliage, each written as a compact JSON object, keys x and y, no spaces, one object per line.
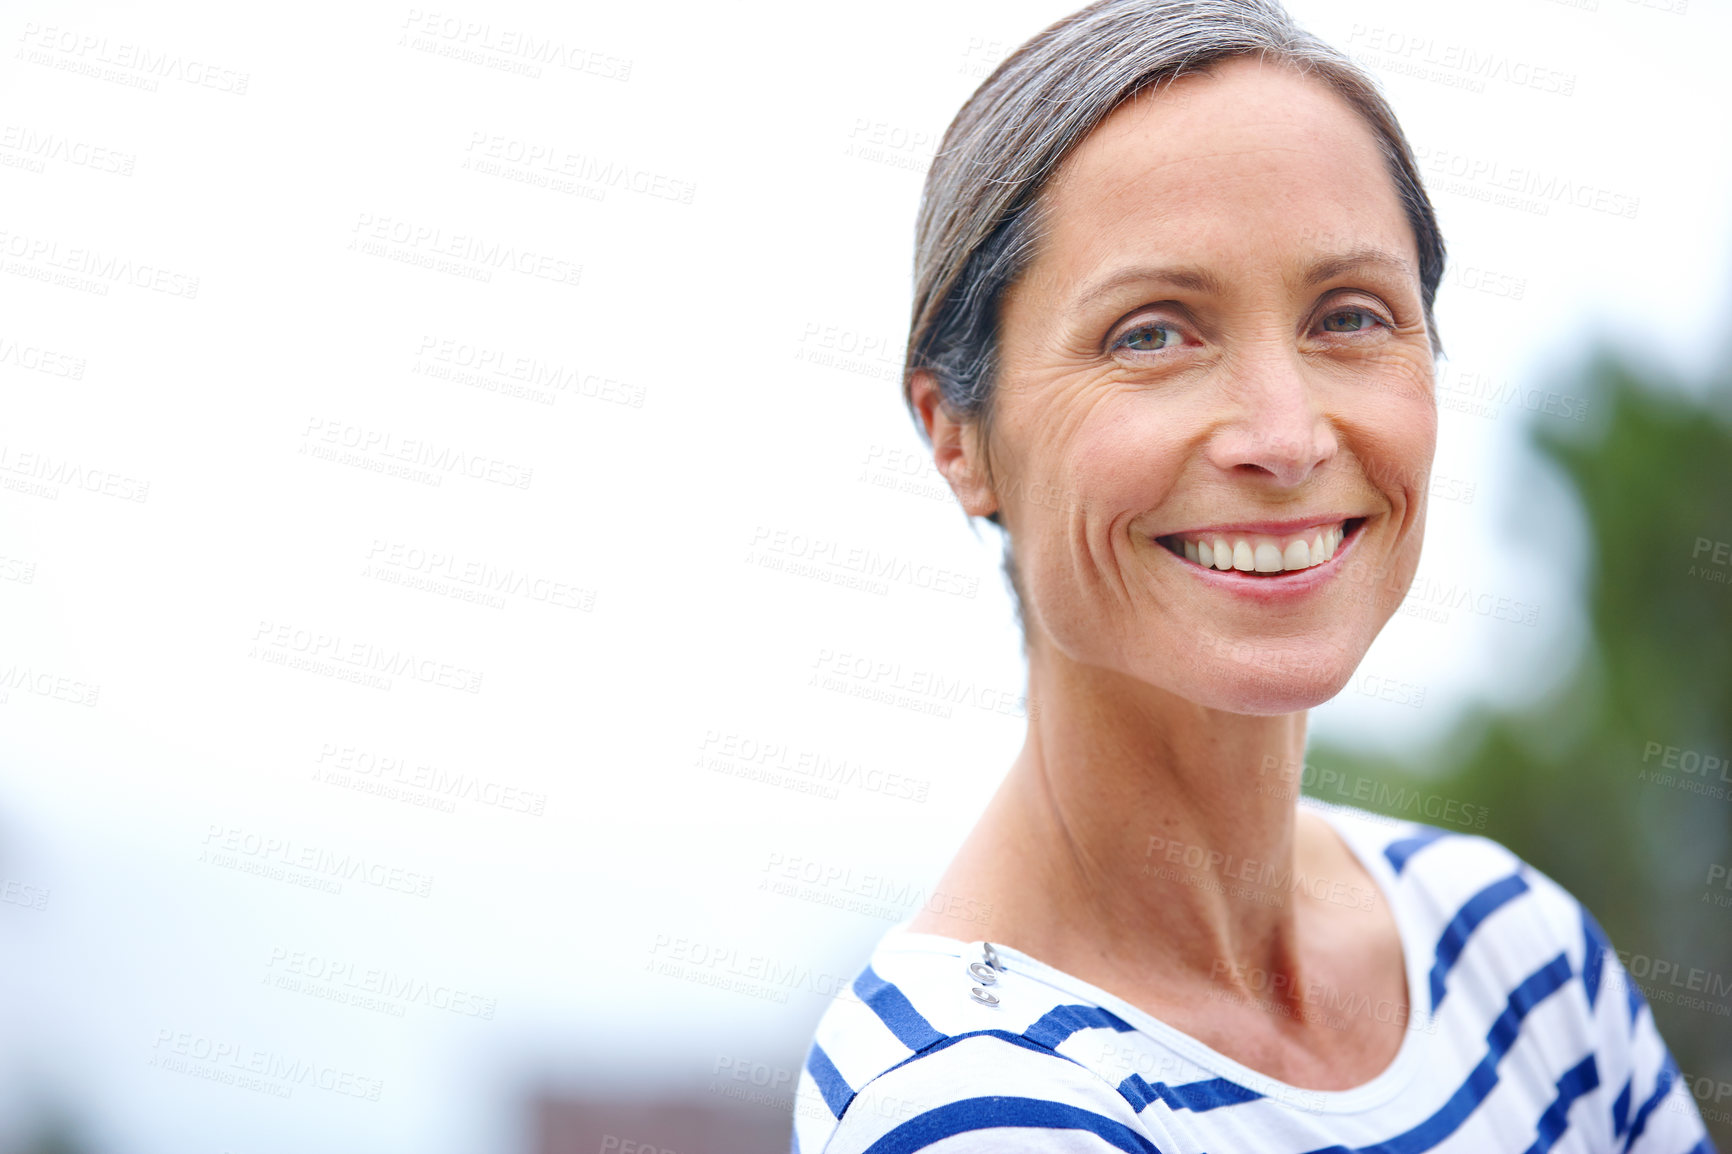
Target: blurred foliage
{"x":54,"y":1130}
{"x":1573,"y":783}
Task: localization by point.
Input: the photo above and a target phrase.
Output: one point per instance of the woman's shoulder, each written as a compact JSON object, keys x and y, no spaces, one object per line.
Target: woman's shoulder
{"x":929,"y":1031}
{"x":1422,"y":856}
{"x":1471,"y":898}
{"x":1504,"y":940}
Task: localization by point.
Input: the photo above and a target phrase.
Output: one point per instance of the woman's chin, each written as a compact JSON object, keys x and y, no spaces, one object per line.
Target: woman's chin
{"x":1273,"y":700}
{"x":1268,"y":687}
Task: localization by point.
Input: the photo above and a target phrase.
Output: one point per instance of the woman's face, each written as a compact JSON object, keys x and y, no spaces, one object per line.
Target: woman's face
{"x":1214,"y":423}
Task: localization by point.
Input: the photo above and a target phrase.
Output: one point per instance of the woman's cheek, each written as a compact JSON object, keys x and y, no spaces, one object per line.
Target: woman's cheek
{"x":1394,"y":437}
{"x":1130,"y":458}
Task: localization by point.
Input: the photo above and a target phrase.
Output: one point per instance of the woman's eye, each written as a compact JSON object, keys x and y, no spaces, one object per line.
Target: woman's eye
{"x":1349,"y":321}
{"x":1151,"y":338}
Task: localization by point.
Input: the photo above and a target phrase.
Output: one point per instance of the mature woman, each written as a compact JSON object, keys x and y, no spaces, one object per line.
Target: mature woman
{"x":1173,"y":333}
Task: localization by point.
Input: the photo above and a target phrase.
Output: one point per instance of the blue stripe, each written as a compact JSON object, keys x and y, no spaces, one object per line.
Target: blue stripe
{"x":1542,"y":983}
{"x":895,"y":1010}
{"x":1621,"y":1111}
{"x":1594,"y":949}
{"x":1578,"y":1080}
{"x":1060,"y":1022}
{"x":973,"y":1114}
{"x":1001,"y":1035}
{"x":1538,"y":986}
{"x":1210,"y":1094}
{"x":1634,"y":993}
{"x":1056,"y":1025}
{"x":1477,"y":909}
{"x":1399,"y":851}
{"x":1662,"y":1085}
{"x":837,"y":1093}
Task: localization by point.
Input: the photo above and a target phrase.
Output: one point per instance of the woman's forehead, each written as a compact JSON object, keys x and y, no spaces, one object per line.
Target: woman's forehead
{"x":1248,"y":163}
{"x":1236,"y":105}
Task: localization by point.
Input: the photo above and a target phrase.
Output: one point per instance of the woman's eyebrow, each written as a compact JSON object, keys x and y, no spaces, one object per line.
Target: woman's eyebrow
{"x":1330,"y":267}
{"x":1202,"y":280}
{"x":1198,"y":280}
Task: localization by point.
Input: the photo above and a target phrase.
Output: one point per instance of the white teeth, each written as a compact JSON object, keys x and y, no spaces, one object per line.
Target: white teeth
{"x":1263,"y":554}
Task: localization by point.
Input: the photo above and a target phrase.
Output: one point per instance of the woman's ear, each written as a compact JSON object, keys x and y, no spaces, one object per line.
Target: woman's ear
{"x":957,"y":451}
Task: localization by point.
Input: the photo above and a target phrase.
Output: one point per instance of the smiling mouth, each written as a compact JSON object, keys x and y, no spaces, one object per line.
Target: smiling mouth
{"x":1262,"y":554}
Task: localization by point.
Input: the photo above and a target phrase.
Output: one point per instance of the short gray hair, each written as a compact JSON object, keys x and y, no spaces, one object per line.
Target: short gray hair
{"x":980,"y":213}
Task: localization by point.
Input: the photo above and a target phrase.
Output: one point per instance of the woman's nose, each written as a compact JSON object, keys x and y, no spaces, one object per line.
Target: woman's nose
{"x":1277,"y":427}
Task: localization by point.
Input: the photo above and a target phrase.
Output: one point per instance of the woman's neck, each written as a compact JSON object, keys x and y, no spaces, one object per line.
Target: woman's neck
{"x":1141,"y":827}
{"x":1153,"y":848}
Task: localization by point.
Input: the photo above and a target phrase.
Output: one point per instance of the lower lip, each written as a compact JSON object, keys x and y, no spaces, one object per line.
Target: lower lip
{"x":1271,"y":590}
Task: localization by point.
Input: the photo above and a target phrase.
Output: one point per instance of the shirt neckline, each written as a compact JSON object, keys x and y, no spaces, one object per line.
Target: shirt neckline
{"x":1382,"y":1087}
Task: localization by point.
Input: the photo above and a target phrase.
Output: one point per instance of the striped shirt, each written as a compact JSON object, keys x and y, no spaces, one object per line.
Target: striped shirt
{"x":1525,"y":1034}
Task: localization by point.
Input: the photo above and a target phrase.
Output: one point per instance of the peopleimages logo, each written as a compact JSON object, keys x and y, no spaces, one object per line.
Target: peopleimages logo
{"x":254,"y":1068}
{"x":922,"y":690}
{"x":1397,"y":800}
{"x":802,"y":552}
{"x":288,"y":645}
{"x":469,"y":254}
{"x":387,"y":446}
{"x":229,"y":846}
{"x":339,"y":979}
{"x":784,"y":764}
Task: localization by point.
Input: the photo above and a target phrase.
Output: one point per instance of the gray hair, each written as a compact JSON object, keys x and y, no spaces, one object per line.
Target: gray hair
{"x":981,"y":210}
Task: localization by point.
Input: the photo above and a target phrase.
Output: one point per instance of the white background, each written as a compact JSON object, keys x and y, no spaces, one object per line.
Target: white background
{"x":729,"y":362}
